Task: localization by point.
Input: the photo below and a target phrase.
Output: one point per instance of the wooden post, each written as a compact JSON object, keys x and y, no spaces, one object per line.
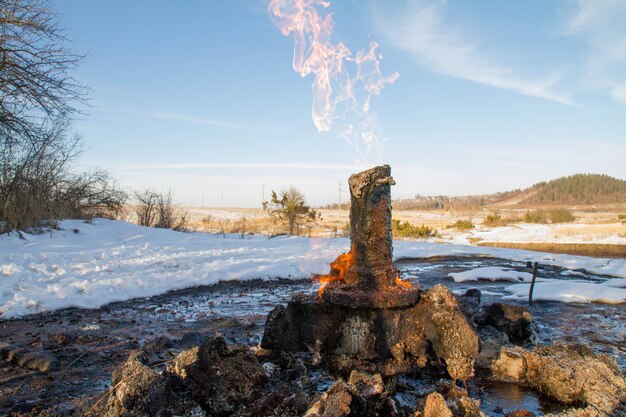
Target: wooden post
{"x":532,"y":284}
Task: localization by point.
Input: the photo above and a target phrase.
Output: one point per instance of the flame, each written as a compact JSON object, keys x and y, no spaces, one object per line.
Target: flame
{"x":338,"y":271}
{"x":402,"y":283}
{"x":337,"y":95}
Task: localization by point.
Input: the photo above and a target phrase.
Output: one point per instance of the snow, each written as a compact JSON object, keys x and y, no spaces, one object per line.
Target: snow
{"x":529,"y":233}
{"x":491,"y":273}
{"x":612,"y":291}
{"x":92,"y":264}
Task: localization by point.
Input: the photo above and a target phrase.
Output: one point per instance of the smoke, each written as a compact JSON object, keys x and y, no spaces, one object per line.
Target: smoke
{"x":341,"y":98}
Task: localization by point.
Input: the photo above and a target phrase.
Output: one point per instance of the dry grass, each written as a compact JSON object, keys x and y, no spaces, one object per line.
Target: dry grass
{"x":588,"y":226}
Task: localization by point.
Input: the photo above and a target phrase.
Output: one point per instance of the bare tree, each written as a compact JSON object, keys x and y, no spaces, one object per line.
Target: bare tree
{"x":146,"y":208}
{"x":38,"y":100}
{"x":290,"y":210}
{"x":36,"y":64}
{"x":158,"y":210}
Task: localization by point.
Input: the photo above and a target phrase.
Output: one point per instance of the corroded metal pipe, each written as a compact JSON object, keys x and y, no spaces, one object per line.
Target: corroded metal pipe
{"x":370,"y":229}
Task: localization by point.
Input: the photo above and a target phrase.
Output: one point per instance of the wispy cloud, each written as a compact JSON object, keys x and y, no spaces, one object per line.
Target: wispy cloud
{"x":421,"y":31}
{"x":252,"y":165}
{"x":177,"y":117}
{"x":185,"y":118}
{"x":602,"y":25}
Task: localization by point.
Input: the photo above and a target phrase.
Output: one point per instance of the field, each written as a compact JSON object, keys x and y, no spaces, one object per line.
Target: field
{"x":595,"y":231}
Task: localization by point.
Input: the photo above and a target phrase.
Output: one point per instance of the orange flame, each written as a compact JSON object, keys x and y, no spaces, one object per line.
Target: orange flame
{"x":337,"y":93}
{"x":338,"y":271}
{"x":403,"y":283}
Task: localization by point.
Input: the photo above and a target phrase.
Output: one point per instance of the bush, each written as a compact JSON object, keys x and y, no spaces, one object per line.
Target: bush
{"x":552,"y":216}
{"x":494,"y":220}
{"x":621,"y":217}
{"x":158,"y":210}
{"x":561,"y":216}
{"x":405,"y":229}
{"x":290,"y":212}
{"x":461,"y":225}
{"x":536,"y":216}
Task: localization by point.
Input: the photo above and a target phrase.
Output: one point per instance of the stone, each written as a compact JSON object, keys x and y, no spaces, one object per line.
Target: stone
{"x":436,"y":406}
{"x":335,"y":402}
{"x":466,"y":407}
{"x":219,"y":378}
{"x":514,"y":321}
{"x":571,"y":374}
{"x":470,"y":303}
{"x":137,"y":389}
{"x":452,"y":337}
{"x":491,"y":341}
{"x":366,"y":385}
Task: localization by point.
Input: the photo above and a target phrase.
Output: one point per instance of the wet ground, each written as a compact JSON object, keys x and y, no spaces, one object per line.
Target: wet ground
{"x":89,"y":344}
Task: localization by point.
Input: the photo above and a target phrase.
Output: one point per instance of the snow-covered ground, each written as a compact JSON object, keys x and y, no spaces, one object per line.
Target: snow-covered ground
{"x":540,"y":233}
{"x":92,"y":264}
{"x":610,"y":291}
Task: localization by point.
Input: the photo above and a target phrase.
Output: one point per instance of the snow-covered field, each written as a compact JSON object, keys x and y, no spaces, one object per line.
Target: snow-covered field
{"x":541,"y":233}
{"x":92,"y":264}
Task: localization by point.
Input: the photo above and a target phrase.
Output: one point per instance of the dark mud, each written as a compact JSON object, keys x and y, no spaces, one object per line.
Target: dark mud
{"x":90,"y":344}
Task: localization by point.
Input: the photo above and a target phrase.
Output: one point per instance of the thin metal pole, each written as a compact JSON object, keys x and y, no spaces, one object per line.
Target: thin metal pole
{"x":532,"y":284}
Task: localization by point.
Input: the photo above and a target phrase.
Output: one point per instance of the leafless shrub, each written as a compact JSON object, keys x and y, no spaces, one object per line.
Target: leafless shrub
{"x":158,"y":210}
{"x":38,"y":100}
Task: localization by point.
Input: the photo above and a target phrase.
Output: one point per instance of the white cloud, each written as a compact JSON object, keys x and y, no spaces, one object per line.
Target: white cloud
{"x":252,"y":165}
{"x":602,"y":25}
{"x":421,"y":31}
{"x":177,"y":117}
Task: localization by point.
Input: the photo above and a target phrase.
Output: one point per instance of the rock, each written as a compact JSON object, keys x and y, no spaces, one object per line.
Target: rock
{"x":514,"y":321}
{"x":335,"y":402}
{"x":338,"y":400}
{"x":37,"y":360}
{"x":137,"y":389}
{"x":436,"y":406}
{"x":491,"y":341}
{"x":219,"y":378}
{"x":466,"y":407}
{"x":366,"y":385}
{"x":363,"y":395}
{"x":470,"y":303}
{"x":158,"y":344}
{"x":297,"y":404}
{"x":452,"y":337}
{"x":571,"y":374}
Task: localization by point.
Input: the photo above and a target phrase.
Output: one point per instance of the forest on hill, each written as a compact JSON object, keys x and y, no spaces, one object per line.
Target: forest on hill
{"x":577,"y":189}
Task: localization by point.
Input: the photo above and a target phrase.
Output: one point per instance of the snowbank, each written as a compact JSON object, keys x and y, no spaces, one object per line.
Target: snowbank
{"x":612,"y":291}
{"x":491,"y":273}
{"x":92,"y":264}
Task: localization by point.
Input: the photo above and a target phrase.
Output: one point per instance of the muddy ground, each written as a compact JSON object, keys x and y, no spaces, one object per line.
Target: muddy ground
{"x":89,"y":344}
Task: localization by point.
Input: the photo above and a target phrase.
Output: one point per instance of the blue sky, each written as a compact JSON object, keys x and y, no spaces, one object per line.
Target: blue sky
{"x":201,"y":97}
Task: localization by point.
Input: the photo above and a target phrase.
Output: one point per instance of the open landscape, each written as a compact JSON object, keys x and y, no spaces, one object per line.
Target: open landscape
{"x":239,"y":208}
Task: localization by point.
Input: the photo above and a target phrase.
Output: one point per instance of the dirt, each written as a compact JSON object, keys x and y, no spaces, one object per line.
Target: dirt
{"x":90,"y":344}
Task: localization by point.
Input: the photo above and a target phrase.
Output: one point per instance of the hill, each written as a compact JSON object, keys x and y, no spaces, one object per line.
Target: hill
{"x":578,"y":189}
